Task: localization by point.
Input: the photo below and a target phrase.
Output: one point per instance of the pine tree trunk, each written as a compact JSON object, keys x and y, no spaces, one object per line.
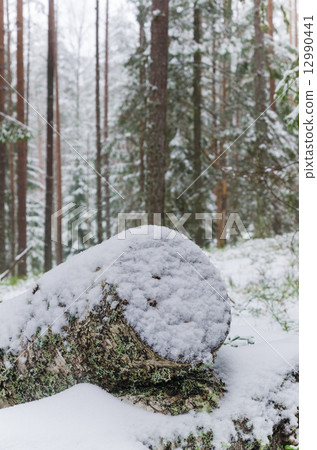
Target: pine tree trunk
{"x":58,"y":158}
{"x":2,"y":149}
{"x":226,"y":118}
{"x":260,"y":124}
{"x":221,"y":241}
{"x":156,"y":135}
{"x":214,"y":142}
{"x":28,"y":66}
{"x":98,"y":132}
{"x":197,"y":104}
{"x":88,"y":242}
{"x":142,"y":81}
{"x":11,"y":146}
{"x":22,"y":145}
{"x":290,"y":6}
{"x":49,"y":141}
{"x":106,"y":124}
{"x":271,"y":51}
{"x":40,"y":152}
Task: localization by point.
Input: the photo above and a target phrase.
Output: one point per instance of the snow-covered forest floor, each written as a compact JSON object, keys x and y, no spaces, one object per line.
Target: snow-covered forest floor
{"x":256,"y":362}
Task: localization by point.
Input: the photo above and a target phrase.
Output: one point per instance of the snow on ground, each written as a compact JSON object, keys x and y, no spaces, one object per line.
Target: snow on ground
{"x":262,"y":348}
{"x":10,"y":288}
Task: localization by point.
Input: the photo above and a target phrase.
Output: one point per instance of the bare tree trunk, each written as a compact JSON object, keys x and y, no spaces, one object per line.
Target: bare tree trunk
{"x":11,"y":145}
{"x":58,"y":159}
{"x":98,"y":134}
{"x":106,"y":124}
{"x":271,"y":51}
{"x":260,"y":124}
{"x":40,"y":152}
{"x":88,"y":242}
{"x":28,"y":65}
{"x":226,"y":123}
{"x":22,"y":145}
{"x":2,"y":149}
{"x":223,"y":182}
{"x":142,"y":81}
{"x":156,"y":136}
{"x":214,"y":142}
{"x":49,"y":141}
{"x":197,"y":104}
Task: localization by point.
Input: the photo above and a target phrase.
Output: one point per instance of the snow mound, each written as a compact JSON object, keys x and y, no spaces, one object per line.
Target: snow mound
{"x":173,"y":296}
{"x":85,"y":417}
{"x":256,"y":376}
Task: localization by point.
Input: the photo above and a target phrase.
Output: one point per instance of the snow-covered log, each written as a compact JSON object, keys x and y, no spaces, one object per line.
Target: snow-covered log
{"x":138,"y":309}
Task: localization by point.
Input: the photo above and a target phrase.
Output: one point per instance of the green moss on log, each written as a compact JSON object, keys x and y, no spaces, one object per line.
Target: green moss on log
{"x":282,"y":434}
{"x":281,"y":438}
{"x":104,"y":350}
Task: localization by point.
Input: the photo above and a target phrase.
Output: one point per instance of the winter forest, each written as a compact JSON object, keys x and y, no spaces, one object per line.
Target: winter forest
{"x":180,"y":116}
{"x":78,"y":100}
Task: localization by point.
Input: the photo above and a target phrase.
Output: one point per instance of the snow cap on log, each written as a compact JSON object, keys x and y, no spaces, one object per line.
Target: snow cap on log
{"x":171,"y":294}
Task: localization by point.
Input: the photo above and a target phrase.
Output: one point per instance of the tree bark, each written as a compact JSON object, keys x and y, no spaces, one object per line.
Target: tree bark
{"x":11,"y":145}
{"x":103,"y":349}
{"x":225,"y":124}
{"x":197,"y":104}
{"x":214,"y":142}
{"x":21,"y":145}
{"x":49,"y":141}
{"x":106,"y":124}
{"x":156,"y":134}
{"x":260,"y":124}
{"x":2,"y":148}
{"x":40,"y":153}
{"x":142,"y":80}
{"x":58,"y":158}
{"x":98,"y":133}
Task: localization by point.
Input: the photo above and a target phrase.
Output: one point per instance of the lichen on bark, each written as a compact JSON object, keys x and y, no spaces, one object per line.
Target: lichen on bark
{"x":102,"y":349}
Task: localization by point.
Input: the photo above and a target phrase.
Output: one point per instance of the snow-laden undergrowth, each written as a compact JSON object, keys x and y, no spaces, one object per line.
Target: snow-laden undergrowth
{"x":255,"y":362}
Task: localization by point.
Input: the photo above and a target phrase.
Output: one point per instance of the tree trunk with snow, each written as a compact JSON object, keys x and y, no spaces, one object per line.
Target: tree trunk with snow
{"x":106,"y":127}
{"x":21,"y":145}
{"x":197,"y":204}
{"x":12,"y":208}
{"x":134,"y":330}
{"x":156,"y":133}
{"x":49,"y":181}
{"x":98,"y":134}
{"x":261,"y":133}
{"x":58,"y":154}
{"x":2,"y":149}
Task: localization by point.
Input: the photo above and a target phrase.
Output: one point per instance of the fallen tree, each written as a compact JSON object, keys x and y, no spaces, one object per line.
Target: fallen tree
{"x":142,"y":313}
{"x":16,"y":261}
